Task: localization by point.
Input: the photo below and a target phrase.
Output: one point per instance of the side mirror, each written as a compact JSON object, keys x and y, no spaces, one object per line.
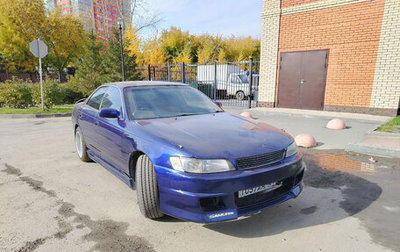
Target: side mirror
{"x":219,"y":104}
{"x":109,"y":113}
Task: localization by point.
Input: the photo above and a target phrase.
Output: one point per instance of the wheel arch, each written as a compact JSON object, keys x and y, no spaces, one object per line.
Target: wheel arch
{"x":132,"y":162}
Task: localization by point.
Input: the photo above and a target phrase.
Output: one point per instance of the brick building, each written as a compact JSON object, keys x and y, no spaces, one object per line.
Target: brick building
{"x":338,"y":55}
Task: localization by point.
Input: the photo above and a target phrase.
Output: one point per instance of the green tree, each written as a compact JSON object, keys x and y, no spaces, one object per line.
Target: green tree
{"x":90,"y":71}
{"x":112,"y":60}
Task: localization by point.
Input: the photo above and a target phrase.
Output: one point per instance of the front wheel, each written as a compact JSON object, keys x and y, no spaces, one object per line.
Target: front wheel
{"x":240,"y":95}
{"x":147,"y":188}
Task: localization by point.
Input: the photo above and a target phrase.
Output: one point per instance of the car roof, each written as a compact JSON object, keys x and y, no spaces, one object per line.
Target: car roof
{"x":124,"y":84}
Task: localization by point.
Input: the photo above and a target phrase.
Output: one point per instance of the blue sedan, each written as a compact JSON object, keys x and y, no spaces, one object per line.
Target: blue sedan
{"x":185,"y":155}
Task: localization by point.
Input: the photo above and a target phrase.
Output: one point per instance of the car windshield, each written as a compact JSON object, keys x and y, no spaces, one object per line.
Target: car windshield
{"x":166,"y":101}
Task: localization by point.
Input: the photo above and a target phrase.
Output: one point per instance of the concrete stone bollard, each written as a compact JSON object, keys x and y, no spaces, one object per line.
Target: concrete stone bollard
{"x":337,"y":124}
{"x":305,"y":140}
{"x":247,"y":114}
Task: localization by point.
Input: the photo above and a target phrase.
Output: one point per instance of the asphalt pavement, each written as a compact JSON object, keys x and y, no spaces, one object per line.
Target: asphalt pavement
{"x":51,"y":201}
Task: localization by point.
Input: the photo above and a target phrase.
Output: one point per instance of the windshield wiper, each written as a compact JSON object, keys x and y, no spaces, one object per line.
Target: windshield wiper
{"x":185,"y":114}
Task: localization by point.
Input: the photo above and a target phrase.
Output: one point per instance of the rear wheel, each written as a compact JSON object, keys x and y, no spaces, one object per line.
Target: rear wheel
{"x":80,"y":145}
{"x":240,"y":95}
{"x":147,"y":188}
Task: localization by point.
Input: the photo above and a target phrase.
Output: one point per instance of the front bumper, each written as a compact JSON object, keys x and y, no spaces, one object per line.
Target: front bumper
{"x":214,"y":197}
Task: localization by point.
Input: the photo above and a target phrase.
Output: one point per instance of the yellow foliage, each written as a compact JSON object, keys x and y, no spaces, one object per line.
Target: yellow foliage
{"x":176,"y":46}
{"x":66,"y":39}
{"x":133,"y":46}
{"x":21,"y":21}
{"x":153,"y":53}
{"x":184,"y":56}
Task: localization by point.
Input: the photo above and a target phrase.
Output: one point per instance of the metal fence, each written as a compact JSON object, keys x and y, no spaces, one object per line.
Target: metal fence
{"x":231,"y":83}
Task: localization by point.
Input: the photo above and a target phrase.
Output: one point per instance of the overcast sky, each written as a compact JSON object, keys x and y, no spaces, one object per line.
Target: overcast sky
{"x":224,"y":17}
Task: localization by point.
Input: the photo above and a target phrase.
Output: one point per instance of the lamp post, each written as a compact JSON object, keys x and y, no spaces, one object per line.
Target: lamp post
{"x":122,"y":50}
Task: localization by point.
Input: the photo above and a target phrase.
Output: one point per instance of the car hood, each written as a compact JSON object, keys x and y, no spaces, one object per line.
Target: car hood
{"x":219,"y":135}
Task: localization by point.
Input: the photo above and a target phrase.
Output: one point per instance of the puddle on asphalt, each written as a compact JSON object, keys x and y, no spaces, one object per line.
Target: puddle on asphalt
{"x":341,"y":161}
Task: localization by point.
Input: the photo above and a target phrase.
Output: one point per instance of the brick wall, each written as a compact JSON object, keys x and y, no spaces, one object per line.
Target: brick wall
{"x":290,"y":3}
{"x":351,"y":33}
{"x":363,"y":38}
{"x":269,"y":52}
{"x":386,"y":85}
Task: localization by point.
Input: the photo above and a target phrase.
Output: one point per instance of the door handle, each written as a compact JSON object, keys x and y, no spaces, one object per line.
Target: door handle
{"x":302,"y":81}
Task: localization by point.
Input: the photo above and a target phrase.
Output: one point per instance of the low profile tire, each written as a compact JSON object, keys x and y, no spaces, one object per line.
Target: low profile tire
{"x":147,"y":188}
{"x":240,"y":95}
{"x":80,"y":146}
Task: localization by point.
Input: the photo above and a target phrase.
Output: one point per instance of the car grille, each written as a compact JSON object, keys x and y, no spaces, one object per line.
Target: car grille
{"x":258,"y":160}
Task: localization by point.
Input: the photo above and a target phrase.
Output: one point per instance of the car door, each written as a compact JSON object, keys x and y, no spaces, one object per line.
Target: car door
{"x":111,"y":130}
{"x":88,"y":119}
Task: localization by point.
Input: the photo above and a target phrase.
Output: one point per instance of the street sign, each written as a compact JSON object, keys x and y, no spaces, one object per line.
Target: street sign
{"x":38,"y":48}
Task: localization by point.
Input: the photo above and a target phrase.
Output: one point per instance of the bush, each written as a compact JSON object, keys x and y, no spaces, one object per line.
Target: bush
{"x":20,"y":94}
{"x":70,"y":94}
{"x":16,"y":94}
{"x":52,"y":94}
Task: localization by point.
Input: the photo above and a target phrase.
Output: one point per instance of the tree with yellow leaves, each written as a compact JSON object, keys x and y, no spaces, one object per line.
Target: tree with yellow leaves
{"x":21,"y":21}
{"x":176,"y":46}
{"x":66,"y":40}
{"x":133,"y":45}
{"x":153,"y":53}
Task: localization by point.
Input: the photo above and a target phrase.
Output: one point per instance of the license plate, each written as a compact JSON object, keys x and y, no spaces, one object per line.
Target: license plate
{"x":263,"y":188}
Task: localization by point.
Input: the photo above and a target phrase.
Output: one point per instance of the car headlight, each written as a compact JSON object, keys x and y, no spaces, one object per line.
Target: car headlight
{"x":194,"y":165}
{"x":291,"y":150}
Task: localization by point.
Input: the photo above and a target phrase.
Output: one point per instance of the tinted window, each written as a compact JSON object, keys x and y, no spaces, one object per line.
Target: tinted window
{"x":112,"y":99}
{"x":244,"y":78}
{"x":235,"y":79}
{"x":95,"y":100}
{"x":166,"y":101}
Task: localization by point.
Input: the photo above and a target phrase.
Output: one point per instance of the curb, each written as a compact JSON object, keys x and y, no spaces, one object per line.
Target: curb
{"x":373,"y":150}
{"x":381,"y":133}
{"x":24,"y":116}
{"x":318,"y":114}
{"x":376,"y":149}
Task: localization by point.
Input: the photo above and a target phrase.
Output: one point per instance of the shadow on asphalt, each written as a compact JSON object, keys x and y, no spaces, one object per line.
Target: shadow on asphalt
{"x":331,"y":193}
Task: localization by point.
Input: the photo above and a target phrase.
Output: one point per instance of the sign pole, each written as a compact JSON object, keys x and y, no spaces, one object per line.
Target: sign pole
{"x":41,"y":81}
{"x":40,"y":73}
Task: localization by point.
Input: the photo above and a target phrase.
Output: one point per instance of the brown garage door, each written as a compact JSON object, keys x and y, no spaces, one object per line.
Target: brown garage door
{"x":302,"y":79}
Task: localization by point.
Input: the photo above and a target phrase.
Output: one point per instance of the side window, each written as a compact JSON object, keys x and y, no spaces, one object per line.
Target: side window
{"x":235,"y":79}
{"x":112,"y":99}
{"x":95,"y":100}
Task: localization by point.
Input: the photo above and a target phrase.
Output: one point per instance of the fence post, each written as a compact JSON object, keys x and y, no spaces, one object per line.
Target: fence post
{"x":183,"y":72}
{"x":215,"y":81}
{"x":154,"y":73}
{"x":149,"y":71}
{"x":250,"y":81}
{"x":169,"y":72}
